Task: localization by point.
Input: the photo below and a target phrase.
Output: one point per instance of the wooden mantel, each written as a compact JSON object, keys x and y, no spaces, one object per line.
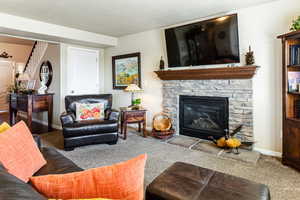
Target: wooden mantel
{"x":243,"y":72}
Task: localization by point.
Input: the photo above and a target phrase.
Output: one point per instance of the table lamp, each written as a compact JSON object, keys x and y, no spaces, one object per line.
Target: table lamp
{"x":132,"y":88}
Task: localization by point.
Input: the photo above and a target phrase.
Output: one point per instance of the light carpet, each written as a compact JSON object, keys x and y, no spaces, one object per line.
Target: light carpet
{"x":284,"y":182}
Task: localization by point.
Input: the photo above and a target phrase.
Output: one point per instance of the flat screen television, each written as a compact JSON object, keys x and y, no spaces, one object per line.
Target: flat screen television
{"x":214,"y":41}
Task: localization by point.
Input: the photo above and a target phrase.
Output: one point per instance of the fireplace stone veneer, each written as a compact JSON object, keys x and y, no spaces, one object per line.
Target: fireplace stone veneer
{"x":239,"y":93}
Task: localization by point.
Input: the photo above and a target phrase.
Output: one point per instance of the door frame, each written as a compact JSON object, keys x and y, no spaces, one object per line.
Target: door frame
{"x":69,"y":67}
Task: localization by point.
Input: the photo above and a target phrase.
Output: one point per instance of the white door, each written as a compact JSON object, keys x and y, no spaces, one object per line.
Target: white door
{"x":83,"y":71}
{"x":6,"y":80}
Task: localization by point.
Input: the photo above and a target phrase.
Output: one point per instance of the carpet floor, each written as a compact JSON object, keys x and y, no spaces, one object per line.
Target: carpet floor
{"x":284,"y":182}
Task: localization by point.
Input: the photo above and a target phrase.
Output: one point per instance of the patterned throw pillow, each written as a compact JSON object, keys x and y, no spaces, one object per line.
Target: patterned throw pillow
{"x":4,"y":126}
{"x":89,"y":111}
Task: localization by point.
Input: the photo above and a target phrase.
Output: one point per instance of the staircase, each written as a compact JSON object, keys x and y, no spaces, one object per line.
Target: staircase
{"x":35,"y":58}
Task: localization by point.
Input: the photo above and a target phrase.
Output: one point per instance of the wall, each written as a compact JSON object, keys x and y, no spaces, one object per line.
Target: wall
{"x":20,"y":53}
{"x":53,"y":55}
{"x":258,"y":27}
{"x":150,"y":45}
{"x":267,"y":23}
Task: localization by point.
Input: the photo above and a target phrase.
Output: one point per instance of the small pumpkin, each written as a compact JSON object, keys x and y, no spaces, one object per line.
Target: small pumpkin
{"x":233,"y":143}
{"x":221,"y":142}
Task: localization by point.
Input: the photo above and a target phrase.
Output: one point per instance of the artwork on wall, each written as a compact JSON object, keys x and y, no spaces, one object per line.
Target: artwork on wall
{"x":30,"y":84}
{"x":126,"y":70}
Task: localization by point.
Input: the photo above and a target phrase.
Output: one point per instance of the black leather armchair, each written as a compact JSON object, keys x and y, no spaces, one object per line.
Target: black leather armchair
{"x":79,"y":133}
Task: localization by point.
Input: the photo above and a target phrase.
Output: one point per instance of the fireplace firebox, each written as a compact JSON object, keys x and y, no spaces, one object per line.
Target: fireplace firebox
{"x":202,"y":117}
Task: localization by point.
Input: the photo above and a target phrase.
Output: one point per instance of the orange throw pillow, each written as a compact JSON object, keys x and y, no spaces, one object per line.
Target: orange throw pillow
{"x":124,"y":181}
{"x":19,"y":154}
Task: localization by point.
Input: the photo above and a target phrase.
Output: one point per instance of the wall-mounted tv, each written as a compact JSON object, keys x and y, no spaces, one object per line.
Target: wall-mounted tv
{"x":214,"y":41}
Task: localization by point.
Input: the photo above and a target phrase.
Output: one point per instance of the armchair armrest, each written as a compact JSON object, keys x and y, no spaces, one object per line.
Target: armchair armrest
{"x":112,"y":114}
{"x":67,"y":118}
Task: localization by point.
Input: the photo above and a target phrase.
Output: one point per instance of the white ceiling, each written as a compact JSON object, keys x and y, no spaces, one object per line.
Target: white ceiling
{"x":120,"y":17}
{"x":13,"y":40}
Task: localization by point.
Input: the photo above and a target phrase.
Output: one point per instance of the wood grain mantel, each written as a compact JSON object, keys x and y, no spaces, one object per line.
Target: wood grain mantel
{"x":243,"y":72}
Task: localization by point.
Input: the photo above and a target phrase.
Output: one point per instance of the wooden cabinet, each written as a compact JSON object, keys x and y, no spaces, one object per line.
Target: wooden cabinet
{"x":290,"y":99}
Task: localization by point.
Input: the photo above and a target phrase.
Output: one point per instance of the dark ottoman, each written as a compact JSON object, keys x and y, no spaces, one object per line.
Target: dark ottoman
{"x":184,"y":181}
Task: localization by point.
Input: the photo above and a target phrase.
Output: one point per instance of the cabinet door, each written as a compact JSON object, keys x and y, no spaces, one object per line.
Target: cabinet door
{"x":291,"y":141}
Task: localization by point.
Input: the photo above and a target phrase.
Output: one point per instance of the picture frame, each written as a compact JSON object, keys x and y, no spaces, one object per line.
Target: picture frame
{"x":30,"y":84}
{"x":126,"y":69}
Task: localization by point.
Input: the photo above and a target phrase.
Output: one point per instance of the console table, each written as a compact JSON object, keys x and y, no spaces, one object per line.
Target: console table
{"x":132,"y":116}
{"x":30,"y":103}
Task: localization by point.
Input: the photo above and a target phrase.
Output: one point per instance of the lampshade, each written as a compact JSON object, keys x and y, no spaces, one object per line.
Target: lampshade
{"x":20,"y":67}
{"x":24,"y":77}
{"x":133,"y":88}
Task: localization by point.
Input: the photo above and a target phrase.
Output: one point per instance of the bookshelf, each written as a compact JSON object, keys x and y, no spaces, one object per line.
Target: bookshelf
{"x":291,"y":98}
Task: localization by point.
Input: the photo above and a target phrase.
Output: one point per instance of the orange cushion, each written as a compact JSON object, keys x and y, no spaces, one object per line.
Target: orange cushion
{"x":19,"y":153}
{"x":124,"y":181}
{"x":82,"y":199}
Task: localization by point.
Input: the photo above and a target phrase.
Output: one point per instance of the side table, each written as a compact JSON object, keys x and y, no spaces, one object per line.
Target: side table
{"x":130,"y":117}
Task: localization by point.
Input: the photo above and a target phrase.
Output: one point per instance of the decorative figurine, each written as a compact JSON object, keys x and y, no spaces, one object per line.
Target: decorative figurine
{"x":161,"y":64}
{"x":250,"y":57}
{"x":44,"y":79}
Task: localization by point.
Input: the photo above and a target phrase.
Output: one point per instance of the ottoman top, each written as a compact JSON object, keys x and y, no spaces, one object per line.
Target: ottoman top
{"x":184,"y":181}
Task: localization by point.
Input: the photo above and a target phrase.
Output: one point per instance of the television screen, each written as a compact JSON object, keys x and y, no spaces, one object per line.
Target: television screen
{"x":214,"y":41}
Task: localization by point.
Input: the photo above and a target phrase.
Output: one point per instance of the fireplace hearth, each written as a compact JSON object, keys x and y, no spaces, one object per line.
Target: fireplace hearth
{"x":202,"y":116}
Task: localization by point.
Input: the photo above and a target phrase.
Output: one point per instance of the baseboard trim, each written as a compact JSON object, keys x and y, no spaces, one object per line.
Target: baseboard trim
{"x":268,"y":152}
{"x":42,"y":122}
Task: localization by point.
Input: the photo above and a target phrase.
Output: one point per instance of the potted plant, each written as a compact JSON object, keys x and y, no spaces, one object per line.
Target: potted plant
{"x":296,"y":24}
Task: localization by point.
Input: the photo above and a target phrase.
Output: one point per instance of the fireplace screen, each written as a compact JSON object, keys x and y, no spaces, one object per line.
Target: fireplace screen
{"x":203,"y":116}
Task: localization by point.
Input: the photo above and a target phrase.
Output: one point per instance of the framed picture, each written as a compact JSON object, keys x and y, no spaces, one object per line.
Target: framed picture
{"x":30,"y":85}
{"x":126,"y":70}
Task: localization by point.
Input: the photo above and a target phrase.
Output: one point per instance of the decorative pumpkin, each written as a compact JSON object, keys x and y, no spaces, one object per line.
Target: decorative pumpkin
{"x":221,"y":142}
{"x":233,"y":143}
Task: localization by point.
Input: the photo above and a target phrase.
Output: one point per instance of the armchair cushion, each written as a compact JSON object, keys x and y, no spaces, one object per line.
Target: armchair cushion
{"x":112,"y":114}
{"x":90,"y":127}
{"x":67,"y":118}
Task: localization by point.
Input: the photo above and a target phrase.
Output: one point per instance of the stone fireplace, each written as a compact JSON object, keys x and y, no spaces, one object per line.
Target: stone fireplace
{"x":201,"y":116}
{"x":236,"y":94}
